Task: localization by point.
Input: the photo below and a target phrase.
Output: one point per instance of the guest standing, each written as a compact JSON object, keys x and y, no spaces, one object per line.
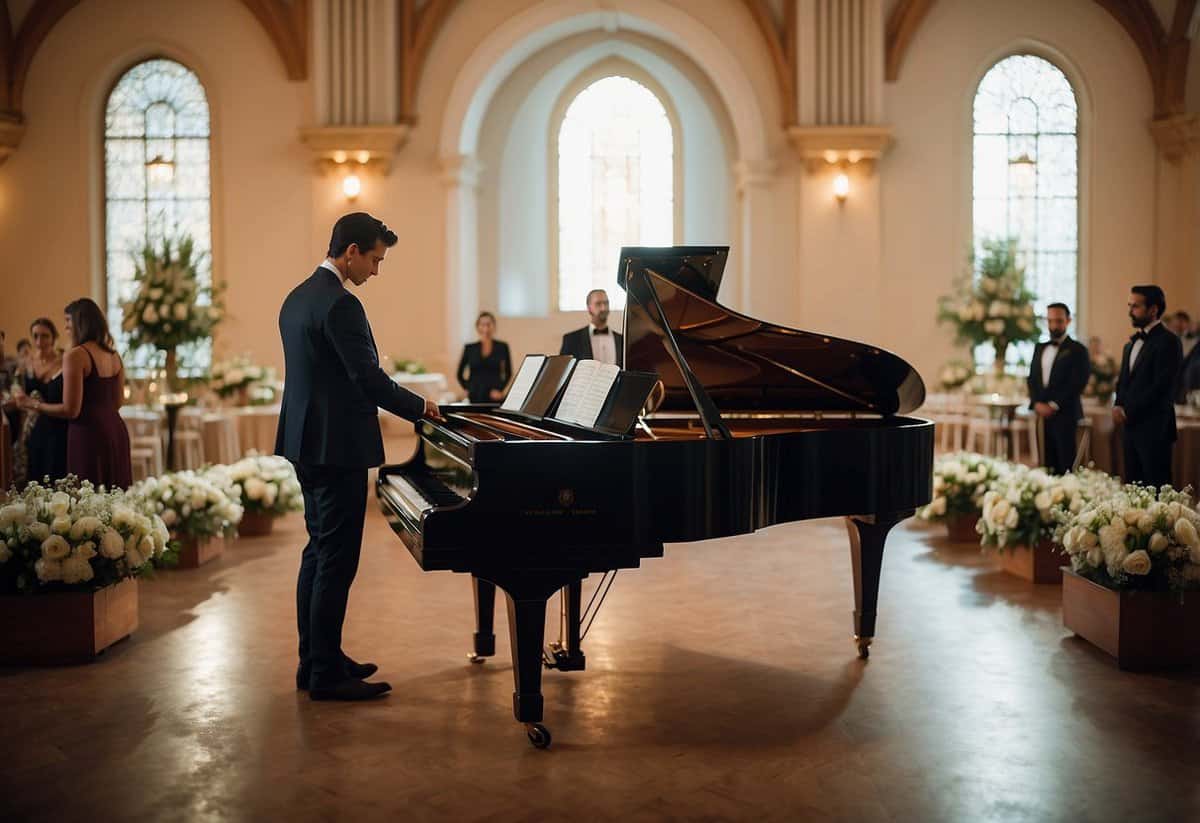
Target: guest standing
{"x":1145,"y":396}
{"x":93,"y":388}
{"x":1060,"y":370}
{"x":46,"y":446}
{"x":485,"y":367}
{"x":595,"y":341}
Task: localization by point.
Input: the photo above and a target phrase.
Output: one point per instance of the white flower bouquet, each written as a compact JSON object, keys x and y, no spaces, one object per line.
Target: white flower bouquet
{"x":74,"y":535}
{"x":400,"y":365}
{"x":1103,"y":379}
{"x":266,"y":484}
{"x":955,"y":375}
{"x":229,"y":377}
{"x":193,"y":504}
{"x":1136,"y":537}
{"x":170,"y":307}
{"x":1025,"y":506}
{"x":993,"y":305}
{"x":960,"y":481}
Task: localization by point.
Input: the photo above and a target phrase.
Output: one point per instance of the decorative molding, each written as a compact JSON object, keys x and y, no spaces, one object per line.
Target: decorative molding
{"x":340,"y":147}
{"x":754,"y":174}
{"x":11,"y":132}
{"x":859,"y":146}
{"x":781,"y":45}
{"x":1177,"y":136}
{"x":902,"y":25}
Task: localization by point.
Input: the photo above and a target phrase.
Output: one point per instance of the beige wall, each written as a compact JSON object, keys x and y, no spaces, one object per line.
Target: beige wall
{"x":871,"y":269}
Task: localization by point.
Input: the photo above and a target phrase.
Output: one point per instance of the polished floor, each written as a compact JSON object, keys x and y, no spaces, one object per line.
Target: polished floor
{"x":721,"y":684}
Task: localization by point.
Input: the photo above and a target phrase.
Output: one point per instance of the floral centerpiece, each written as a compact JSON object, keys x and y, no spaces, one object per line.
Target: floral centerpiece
{"x":240,"y":377}
{"x":1024,"y":506}
{"x":170,"y":306}
{"x":399,"y":365}
{"x":195,"y":504}
{"x":1103,"y":379}
{"x":955,"y":374}
{"x":960,"y":482}
{"x":73,"y":535}
{"x":267,"y":487}
{"x":995,"y":306}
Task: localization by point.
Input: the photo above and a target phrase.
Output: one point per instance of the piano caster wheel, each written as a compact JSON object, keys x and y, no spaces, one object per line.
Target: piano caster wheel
{"x":476,"y":659}
{"x":538,"y":735}
{"x":864,"y":646}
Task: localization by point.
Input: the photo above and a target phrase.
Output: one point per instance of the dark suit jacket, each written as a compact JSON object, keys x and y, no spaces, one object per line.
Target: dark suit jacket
{"x":1145,"y":392}
{"x":1072,"y":367}
{"x":333,"y":385}
{"x":579,"y":344}
{"x":1189,"y":375}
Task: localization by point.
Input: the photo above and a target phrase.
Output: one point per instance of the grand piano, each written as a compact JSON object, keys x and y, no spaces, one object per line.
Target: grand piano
{"x":758,"y":424}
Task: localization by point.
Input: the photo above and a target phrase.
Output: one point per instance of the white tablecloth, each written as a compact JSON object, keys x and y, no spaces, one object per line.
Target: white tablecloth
{"x":256,"y":428}
{"x":431,"y":386}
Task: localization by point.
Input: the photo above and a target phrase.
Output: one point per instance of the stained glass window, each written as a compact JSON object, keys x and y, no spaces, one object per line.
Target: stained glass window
{"x":156,"y":181}
{"x":615,"y":185}
{"x":1026,"y":176}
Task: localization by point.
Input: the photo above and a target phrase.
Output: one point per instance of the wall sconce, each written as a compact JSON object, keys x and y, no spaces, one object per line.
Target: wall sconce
{"x":351,"y":186}
{"x":160,"y":170}
{"x":841,"y":187}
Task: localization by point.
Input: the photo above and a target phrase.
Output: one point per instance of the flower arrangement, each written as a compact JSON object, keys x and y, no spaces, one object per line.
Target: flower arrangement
{"x":995,"y":306}
{"x":955,"y":375}
{"x":1136,"y":537}
{"x":1103,"y":379}
{"x":192,"y":503}
{"x":170,"y":306}
{"x":959,"y":483}
{"x":1025,"y":506}
{"x":73,"y":534}
{"x":398,"y":365}
{"x":266,"y":484}
{"x":241,"y":375}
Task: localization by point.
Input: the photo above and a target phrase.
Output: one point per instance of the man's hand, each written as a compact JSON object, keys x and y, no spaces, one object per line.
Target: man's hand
{"x":1118,"y":414}
{"x":433,"y":412}
{"x":496,"y":394}
{"x":1043,"y":409}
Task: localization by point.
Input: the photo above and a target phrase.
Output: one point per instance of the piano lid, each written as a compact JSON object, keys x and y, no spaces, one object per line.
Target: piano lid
{"x":672,"y":318}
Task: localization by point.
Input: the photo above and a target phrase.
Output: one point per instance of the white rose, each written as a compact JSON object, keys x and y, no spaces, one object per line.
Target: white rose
{"x":146,"y":546}
{"x":55,"y":547}
{"x":48,"y":570}
{"x":938,"y":506}
{"x":85,"y":526}
{"x":86,"y":550}
{"x":255,"y":488}
{"x":1095,"y":557}
{"x":1042,"y":500}
{"x":1088,"y":539}
{"x":13,"y":513}
{"x":39,"y":530}
{"x":169,"y":517}
{"x":994,"y":326}
{"x":76,"y":570}
{"x":150,"y":315}
{"x":1186,"y":532}
{"x":1158,"y":542}
{"x":60,"y":503}
{"x":133,"y":557}
{"x":1132,"y":516}
{"x":1137,"y":562}
{"x":155,"y":294}
{"x":112,"y":545}
{"x":181,"y":311}
{"x":61,"y":524}
{"x":199,"y":499}
{"x":1011,"y":519}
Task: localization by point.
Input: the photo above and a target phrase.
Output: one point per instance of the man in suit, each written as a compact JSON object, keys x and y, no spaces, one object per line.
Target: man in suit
{"x":595,"y":341}
{"x":1145,"y":399}
{"x":1060,"y":369}
{"x":329,"y":429}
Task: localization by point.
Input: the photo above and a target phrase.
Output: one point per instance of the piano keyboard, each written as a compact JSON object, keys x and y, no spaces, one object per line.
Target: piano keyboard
{"x":418,"y":493}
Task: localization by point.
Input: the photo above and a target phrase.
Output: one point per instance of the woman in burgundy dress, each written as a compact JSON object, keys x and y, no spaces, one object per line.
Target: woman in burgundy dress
{"x":93,"y":388}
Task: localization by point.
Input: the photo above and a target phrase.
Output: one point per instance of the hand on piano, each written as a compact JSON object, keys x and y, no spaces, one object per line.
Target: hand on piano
{"x":432,"y":412}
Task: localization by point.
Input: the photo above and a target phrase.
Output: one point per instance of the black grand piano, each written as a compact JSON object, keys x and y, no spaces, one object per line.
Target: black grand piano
{"x":758,"y":424}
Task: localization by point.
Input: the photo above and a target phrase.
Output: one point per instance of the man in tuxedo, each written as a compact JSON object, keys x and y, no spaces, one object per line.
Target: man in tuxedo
{"x":329,"y":429}
{"x":595,"y":341}
{"x":1060,"y":369}
{"x":1145,"y":398}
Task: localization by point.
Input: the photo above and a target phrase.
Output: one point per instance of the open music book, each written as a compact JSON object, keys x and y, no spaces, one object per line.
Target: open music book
{"x":537,"y":384}
{"x":603,"y":397}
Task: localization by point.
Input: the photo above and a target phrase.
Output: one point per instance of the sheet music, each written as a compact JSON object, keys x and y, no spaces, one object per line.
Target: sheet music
{"x":586,"y":392}
{"x":527,"y":375}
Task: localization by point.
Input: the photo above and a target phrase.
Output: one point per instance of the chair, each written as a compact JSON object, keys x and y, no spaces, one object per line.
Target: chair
{"x":142,"y":463}
{"x":153,"y":445}
{"x":189,"y":441}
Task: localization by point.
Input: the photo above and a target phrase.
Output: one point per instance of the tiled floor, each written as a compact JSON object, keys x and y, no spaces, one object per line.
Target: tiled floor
{"x":721,"y":684}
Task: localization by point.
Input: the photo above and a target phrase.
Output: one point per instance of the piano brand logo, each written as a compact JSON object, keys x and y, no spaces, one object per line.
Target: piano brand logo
{"x":566,"y":497}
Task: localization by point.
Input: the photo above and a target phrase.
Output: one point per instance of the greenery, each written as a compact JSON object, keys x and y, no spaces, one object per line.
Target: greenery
{"x":170,"y":307}
{"x":993,"y":304}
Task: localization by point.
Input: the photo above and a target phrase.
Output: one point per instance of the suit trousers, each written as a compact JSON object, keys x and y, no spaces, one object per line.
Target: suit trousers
{"x":335,"y":506}
{"x":1147,"y":457}
{"x":1059,"y":431}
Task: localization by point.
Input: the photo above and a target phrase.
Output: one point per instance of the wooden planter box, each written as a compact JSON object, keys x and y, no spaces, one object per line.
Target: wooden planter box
{"x":66,"y":627}
{"x":1142,"y":630}
{"x":961,"y":528}
{"x":1037,"y":564}
{"x":194,"y":552}
{"x":256,"y":524}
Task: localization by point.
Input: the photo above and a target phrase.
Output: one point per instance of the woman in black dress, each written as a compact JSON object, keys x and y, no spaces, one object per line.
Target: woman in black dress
{"x":485,"y":366}
{"x":46,"y":447}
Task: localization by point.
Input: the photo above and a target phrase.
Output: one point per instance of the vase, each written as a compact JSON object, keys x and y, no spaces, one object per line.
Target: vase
{"x":1142,"y":630}
{"x":195,"y":551}
{"x":172,"y":370}
{"x":960,"y":528}
{"x":999,"y":346}
{"x":1039,"y":563}
{"x":256,"y":524}
{"x":66,"y":627}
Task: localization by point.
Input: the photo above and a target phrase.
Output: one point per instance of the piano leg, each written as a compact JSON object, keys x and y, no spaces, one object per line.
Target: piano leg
{"x":867,"y":536}
{"x":566,"y":655}
{"x":485,"y":612}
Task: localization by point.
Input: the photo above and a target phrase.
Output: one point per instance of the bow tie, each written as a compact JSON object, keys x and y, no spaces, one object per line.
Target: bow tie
{"x":1136,"y":336}
{"x":600,"y":331}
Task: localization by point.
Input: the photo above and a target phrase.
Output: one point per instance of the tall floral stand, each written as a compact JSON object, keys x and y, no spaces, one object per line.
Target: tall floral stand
{"x":256,"y":524}
{"x":66,"y":627}
{"x":1142,"y":630}
{"x":1039,"y":563}
{"x":195,"y":551}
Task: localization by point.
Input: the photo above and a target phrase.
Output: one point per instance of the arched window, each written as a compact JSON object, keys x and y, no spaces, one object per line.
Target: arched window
{"x":1026,"y":174}
{"x":156,"y":175}
{"x":616,"y":169}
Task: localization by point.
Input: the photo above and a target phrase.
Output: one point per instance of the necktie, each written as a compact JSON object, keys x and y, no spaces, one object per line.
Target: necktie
{"x":1136,"y":336}
{"x":600,"y":331}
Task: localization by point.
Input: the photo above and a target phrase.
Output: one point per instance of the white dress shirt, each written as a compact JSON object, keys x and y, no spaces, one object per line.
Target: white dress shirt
{"x":1049,"y":352}
{"x":604,"y":346}
{"x":1137,"y":345}
{"x":327,"y":264}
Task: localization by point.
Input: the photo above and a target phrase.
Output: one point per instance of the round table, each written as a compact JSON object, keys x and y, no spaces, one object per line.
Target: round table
{"x":1003,"y":410}
{"x":256,"y":428}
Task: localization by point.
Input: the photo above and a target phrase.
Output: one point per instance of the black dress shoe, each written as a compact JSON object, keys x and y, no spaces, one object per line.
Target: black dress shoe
{"x":358,"y":671}
{"x":350,"y":689}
